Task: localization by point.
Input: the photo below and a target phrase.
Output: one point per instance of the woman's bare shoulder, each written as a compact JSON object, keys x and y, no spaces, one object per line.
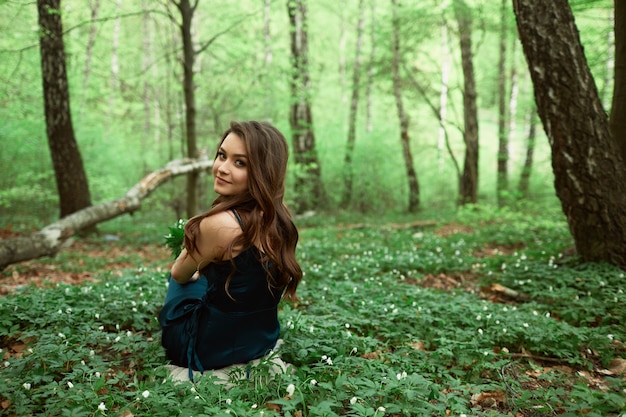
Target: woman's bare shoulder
{"x":220,"y":227}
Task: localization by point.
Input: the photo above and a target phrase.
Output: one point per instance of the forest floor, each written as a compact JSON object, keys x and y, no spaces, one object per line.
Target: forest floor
{"x":534,"y":378}
{"x":74,"y":264}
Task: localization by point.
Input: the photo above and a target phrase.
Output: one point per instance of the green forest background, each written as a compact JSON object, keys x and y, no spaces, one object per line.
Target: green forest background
{"x":125,"y":72}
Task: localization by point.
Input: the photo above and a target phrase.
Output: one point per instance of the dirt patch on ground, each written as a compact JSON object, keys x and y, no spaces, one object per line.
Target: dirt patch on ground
{"x":83,"y":261}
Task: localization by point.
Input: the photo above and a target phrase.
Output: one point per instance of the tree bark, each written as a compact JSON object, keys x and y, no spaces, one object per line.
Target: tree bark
{"x":442,"y":113}
{"x":503,"y":144}
{"x":468,"y":187}
{"x":530,"y":152}
{"x":48,"y":241}
{"x":588,"y":166}
{"x":310,"y":192}
{"x":617,"y":121}
{"x":187,"y":11}
{"x":414,"y":190}
{"x":354,"y":105}
{"x":369,"y":124}
{"x":94,"y":6}
{"x":67,"y":162}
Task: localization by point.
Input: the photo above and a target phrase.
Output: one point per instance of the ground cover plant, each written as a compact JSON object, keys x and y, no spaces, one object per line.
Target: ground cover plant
{"x":487,"y":315}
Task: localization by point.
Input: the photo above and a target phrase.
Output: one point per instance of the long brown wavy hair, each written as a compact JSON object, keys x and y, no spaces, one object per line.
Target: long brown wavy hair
{"x":264,"y":215}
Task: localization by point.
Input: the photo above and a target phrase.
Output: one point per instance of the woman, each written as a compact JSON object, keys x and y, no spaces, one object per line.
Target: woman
{"x":238,"y":259}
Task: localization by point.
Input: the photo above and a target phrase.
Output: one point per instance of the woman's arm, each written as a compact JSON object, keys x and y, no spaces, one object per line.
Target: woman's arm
{"x":216,"y":233}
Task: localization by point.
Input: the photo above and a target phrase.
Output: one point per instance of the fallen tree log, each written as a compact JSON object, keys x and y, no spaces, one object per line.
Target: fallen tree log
{"x":48,"y":241}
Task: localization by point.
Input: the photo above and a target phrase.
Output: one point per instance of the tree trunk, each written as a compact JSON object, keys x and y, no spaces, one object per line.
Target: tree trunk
{"x":588,"y":167}
{"x":310,"y":192}
{"x":267,"y":35}
{"x":617,"y":122}
{"x":49,"y":240}
{"x":414,"y":191}
{"x":503,"y":144}
{"x":354,"y":105}
{"x":115,"y":65}
{"x":94,"y":6}
{"x":67,"y":162}
{"x":468,"y":187}
{"x":187,"y":11}
{"x":530,"y":152}
{"x":442,"y":116}
{"x":369,"y":124}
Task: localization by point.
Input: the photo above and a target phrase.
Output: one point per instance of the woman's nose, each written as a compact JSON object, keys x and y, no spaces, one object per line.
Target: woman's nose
{"x":223,"y":167}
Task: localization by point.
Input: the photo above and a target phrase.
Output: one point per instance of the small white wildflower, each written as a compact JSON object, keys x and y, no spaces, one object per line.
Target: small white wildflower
{"x":353,"y":400}
{"x":610,"y":336}
{"x":192,"y":389}
{"x":83,"y":363}
{"x":505,"y":350}
{"x":347,"y":325}
{"x":97,"y":315}
{"x":70,"y":385}
{"x":102,"y":407}
{"x":463,"y":415}
{"x":479,"y":317}
{"x":254,"y":405}
{"x":313,"y":382}
{"x":548,"y":314}
{"x":97,"y":375}
{"x":129,"y":333}
{"x":486,"y":353}
{"x":291,"y":388}
{"x":100,"y":327}
{"x":525,"y":324}
{"x":61,"y":335}
{"x":229,"y":401}
{"x":480,"y":331}
{"x":145,"y":394}
{"x":92,"y":352}
{"x":26,"y":386}
{"x":504,"y":330}
{"x":7,"y":364}
{"x":381,"y":409}
{"x":354,"y":351}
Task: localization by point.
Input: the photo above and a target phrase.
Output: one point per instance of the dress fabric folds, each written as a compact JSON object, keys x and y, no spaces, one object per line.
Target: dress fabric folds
{"x":203,"y":328}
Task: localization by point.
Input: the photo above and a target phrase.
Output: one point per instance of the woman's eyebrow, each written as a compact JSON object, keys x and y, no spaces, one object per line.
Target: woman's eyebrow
{"x":237,"y":155}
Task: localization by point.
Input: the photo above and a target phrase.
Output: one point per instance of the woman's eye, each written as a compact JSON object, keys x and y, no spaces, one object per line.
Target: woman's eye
{"x":240,"y":163}
{"x":221,"y":155}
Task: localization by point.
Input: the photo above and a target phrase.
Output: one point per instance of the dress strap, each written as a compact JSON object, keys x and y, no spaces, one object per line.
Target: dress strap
{"x":237,"y":217}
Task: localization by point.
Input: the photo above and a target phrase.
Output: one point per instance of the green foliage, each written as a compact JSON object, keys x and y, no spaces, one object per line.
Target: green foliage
{"x":174,"y":239}
{"x":371,"y":336}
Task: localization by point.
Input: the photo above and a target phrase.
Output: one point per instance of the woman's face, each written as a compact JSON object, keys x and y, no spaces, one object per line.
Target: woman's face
{"x":230,"y":169}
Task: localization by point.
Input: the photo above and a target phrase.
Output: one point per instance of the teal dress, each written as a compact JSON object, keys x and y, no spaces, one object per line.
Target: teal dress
{"x":203,"y":328}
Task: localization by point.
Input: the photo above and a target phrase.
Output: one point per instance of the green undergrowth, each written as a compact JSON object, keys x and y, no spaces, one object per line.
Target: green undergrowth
{"x":372,"y":335}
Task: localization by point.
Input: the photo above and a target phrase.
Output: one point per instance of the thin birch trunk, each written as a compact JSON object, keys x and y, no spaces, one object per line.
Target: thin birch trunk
{"x":115,"y":66}
{"x":414,"y":197}
{"x":527,"y":169}
{"x":267,"y":35}
{"x":94,"y":7}
{"x":503,"y":143}
{"x":370,"y":68}
{"x":443,"y":96}
{"x":468,"y":189}
{"x":354,"y":104}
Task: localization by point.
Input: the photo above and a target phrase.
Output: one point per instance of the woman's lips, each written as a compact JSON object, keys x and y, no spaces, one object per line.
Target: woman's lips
{"x":220,"y":180}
